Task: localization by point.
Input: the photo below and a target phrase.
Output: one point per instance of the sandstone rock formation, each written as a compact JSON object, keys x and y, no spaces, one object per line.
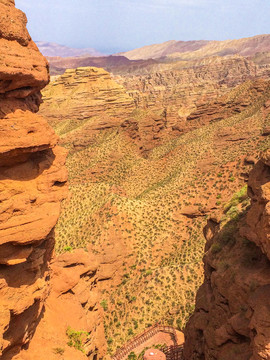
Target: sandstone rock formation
{"x":232,"y":317}
{"x":72,"y":309}
{"x":235,"y":102}
{"x":184,"y":91}
{"x":89,"y":99}
{"x":143,"y":207}
{"x":33,"y":182}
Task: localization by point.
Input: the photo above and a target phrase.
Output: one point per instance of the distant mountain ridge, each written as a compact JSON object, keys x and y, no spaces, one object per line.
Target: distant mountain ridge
{"x":190,"y":50}
{"x":53,"y":49}
{"x":171,"y":50}
{"x":171,"y":55}
{"x":114,"y":64}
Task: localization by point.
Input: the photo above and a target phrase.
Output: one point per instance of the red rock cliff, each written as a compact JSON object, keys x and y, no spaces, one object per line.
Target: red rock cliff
{"x":44,"y":301}
{"x":232,"y":317}
{"x":32,"y":183}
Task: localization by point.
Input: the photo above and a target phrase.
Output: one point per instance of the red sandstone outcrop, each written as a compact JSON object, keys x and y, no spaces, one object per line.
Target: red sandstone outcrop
{"x":147,"y":130}
{"x":236,"y":101}
{"x":232,"y":317}
{"x":83,"y":102}
{"x":33,"y":182}
{"x":89,"y":99}
{"x":73,"y":303}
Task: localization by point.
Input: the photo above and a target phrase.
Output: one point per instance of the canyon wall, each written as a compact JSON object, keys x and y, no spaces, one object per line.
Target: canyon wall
{"x":182,"y":88}
{"x":33,"y":182}
{"x":231,"y":318}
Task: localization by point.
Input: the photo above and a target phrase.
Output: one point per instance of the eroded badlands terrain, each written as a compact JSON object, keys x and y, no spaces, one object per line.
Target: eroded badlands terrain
{"x":159,"y":156}
{"x":166,"y":152}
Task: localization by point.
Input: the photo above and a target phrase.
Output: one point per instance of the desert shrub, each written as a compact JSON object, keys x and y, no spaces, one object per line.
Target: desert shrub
{"x":237,"y":198}
{"x":104,"y":304}
{"x":132,"y":356}
{"x":67,"y":248}
{"x":76,"y":338}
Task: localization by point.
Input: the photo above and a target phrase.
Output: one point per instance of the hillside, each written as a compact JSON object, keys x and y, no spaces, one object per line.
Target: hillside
{"x":162,"y":50}
{"x":171,"y":56}
{"x":182,"y":89}
{"x":116,"y":64}
{"x":191,"y":50}
{"x":145,"y":210}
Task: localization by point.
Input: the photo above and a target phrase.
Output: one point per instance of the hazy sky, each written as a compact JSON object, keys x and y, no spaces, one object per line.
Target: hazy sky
{"x":119,"y":25}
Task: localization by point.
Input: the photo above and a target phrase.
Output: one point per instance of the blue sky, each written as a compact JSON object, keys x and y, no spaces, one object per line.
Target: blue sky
{"x":119,"y":25}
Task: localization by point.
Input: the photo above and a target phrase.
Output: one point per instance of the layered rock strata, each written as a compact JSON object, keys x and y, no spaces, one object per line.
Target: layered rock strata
{"x":91,"y":101}
{"x":185,"y":89}
{"x":33,"y":182}
{"x":232,"y":317}
{"x":85,"y":101}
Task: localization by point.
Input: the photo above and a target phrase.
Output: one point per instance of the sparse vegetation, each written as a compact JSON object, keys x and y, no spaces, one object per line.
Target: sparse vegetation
{"x":119,"y":196}
{"x":76,"y":338}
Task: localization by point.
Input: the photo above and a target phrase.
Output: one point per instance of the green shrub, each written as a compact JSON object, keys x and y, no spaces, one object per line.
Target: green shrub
{"x":67,"y":248}
{"x":148,"y":272}
{"x":110,"y":341}
{"x":237,"y":198}
{"x":132,"y":356}
{"x":76,"y":338}
{"x":104,"y":304}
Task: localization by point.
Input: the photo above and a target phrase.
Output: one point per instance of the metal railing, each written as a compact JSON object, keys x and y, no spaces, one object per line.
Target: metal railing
{"x":146,"y":335}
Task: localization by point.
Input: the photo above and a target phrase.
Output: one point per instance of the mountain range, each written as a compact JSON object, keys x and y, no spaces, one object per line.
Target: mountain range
{"x":53,"y":49}
{"x":188,"y":50}
{"x":171,"y":55}
{"x":171,"y":50}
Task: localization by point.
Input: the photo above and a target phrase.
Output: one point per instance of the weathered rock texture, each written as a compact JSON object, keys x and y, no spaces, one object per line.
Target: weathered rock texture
{"x":82,"y":102}
{"x":232,"y":317}
{"x":183,"y":91}
{"x":89,"y":99}
{"x":73,"y":303}
{"x":32,"y":185}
